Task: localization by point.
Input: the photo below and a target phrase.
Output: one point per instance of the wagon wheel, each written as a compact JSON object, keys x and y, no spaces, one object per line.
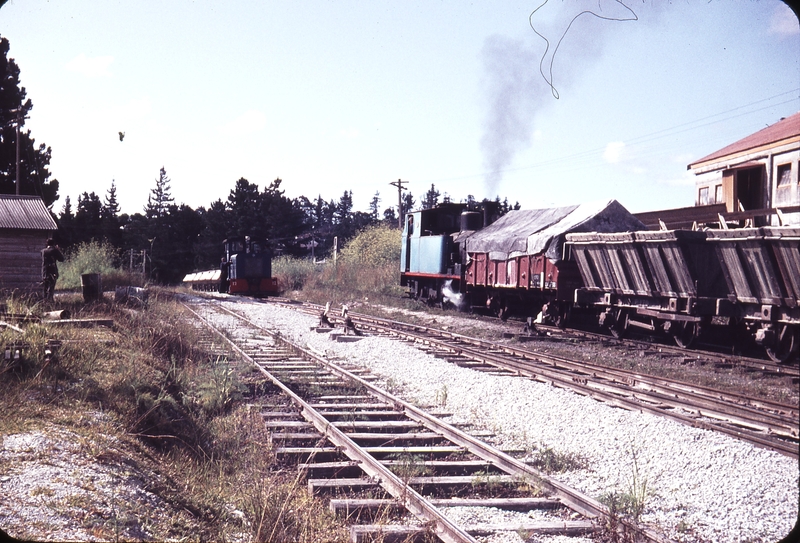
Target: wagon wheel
{"x":561,"y":318}
{"x":619,"y":326}
{"x":787,"y":343}
{"x":685,"y":334}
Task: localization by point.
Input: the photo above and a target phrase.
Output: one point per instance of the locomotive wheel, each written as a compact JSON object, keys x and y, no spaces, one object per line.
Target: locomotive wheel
{"x":786,"y":346}
{"x":685,"y":334}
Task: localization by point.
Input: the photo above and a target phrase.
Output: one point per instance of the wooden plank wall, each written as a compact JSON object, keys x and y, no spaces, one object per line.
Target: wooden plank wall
{"x":21,"y":259}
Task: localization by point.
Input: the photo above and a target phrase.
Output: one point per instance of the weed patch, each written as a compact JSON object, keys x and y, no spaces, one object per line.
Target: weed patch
{"x":176,"y":406}
{"x":549,"y":460}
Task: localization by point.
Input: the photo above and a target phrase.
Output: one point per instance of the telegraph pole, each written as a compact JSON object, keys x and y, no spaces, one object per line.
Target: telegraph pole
{"x":399,"y":185}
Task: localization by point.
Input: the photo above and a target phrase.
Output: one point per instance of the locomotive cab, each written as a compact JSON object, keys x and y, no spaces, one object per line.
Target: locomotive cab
{"x":431,"y":252}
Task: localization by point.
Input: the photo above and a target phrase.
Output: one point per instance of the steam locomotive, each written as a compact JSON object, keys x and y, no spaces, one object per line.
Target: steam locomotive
{"x":599,"y":259}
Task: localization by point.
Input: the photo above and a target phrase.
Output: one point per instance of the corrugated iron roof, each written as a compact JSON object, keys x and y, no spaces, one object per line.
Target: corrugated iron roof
{"x":25,"y":213}
{"x":783,"y":129}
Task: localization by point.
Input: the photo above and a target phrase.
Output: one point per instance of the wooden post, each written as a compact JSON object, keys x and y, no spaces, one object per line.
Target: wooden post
{"x":399,"y":185}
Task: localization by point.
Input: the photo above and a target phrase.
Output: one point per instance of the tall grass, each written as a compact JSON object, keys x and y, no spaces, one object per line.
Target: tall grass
{"x":185,"y":406}
{"x":95,"y":257}
{"x":367,"y":267}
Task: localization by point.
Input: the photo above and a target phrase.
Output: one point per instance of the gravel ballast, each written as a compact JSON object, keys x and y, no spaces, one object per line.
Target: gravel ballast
{"x":701,"y":485}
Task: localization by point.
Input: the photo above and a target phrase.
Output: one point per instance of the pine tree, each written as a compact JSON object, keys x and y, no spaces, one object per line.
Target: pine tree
{"x":390,"y":217}
{"x":374,"y":206}
{"x":431,"y":198}
{"x":66,"y":210}
{"x":111,"y":206}
{"x":283,"y":217}
{"x":344,"y":210}
{"x":34,"y":176}
{"x":66,"y":223}
{"x":407,"y":205}
{"x":109,"y":213}
{"x":159,"y":198}
{"x":244,"y":203}
{"x":88,"y":220}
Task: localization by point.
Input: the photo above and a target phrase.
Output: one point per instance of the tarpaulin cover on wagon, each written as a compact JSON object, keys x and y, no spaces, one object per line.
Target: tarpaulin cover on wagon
{"x":533,"y":231}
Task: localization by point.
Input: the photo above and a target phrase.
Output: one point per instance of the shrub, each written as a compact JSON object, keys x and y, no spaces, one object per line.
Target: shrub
{"x":95,"y":257}
{"x":367,"y":267}
{"x":375,"y":246}
{"x":292,"y":273}
{"x":153,"y":381}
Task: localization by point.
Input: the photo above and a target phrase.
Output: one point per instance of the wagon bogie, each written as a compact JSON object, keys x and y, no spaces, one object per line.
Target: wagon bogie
{"x":781,"y":341}
{"x":683,"y":282}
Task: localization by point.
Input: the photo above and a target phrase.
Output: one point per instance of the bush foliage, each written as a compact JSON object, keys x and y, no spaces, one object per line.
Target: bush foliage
{"x":94,"y":257}
{"x":156,"y":385}
{"x":375,"y":246}
{"x":367,"y":267}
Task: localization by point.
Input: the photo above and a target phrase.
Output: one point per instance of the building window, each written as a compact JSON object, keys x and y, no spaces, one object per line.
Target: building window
{"x":784,"y":175}
{"x":703,"y":197}
{"x":718,"y":194}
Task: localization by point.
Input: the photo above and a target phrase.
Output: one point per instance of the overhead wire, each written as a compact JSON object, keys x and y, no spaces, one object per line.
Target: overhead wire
{"x":595,"y":154}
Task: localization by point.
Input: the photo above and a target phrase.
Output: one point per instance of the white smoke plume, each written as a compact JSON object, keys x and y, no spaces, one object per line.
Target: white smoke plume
{"x":455,"y":298}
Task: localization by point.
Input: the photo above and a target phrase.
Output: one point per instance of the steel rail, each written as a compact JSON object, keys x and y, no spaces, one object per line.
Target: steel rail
{"x":423,"y":509}
{"x":784,"y":413}
{"x":768,"y":366}
{"x":630,"y":398}
{"x":759,"y":364}
{"x":713,"y":403}
{"x":625,"y":395}
{"x":574,"y":499}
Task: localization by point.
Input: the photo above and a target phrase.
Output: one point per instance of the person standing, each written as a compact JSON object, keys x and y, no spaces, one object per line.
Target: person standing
{"x":224,"y":267}
{"x":51,"y":255}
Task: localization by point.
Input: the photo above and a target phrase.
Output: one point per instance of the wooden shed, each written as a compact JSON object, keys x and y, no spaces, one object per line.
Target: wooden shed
{"x":25,"y":225}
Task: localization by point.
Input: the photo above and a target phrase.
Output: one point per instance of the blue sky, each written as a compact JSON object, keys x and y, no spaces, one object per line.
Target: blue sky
{"x":353,"y":95}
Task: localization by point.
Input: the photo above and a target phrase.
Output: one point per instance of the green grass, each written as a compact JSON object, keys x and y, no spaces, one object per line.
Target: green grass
{"x":95,"y":257}
{"x":168,"y":403}
{"x":366,"y":270}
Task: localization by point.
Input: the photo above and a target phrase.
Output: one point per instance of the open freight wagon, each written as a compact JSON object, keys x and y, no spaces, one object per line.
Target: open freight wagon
{"x":517,"y":264}
{"x":683,"y":282}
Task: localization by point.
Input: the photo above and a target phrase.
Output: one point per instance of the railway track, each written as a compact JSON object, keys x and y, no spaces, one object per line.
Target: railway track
{"x":714,"y":357}
{"x":702,"y":351}
{"x":376,"y":455}
{"x":765,"y":423}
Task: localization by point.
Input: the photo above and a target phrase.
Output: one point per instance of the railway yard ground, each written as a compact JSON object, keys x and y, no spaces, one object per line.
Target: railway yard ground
{"x":79,"y":464}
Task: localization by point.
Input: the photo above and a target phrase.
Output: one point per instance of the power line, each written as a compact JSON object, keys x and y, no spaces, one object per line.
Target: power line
{"x":646,"y":138}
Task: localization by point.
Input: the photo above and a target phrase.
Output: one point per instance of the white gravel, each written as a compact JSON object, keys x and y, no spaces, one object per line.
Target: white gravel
{"x":701,"y":486}
{"x":59,"y":485}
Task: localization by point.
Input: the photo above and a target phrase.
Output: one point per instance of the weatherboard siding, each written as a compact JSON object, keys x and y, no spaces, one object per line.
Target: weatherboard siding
{"x":21,"y":259}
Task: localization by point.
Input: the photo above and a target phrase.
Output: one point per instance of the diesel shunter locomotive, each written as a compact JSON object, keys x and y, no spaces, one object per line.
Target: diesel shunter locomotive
{"x":246,"y":268}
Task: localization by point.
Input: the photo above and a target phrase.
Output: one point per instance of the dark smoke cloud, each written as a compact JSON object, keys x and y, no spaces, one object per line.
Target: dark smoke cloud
{"x":519,"y":73}
{"x":513,"y":87}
